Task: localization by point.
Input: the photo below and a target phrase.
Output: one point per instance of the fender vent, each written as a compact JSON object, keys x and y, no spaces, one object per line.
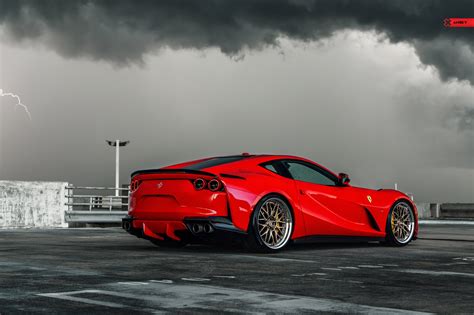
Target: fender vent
{"x":372,"y":221}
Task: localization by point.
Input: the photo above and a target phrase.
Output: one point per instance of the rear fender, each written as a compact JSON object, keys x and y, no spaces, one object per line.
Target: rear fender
{"x":245,"y":192}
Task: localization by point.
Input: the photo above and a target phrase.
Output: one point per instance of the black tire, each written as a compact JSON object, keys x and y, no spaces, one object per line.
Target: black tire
{"x":254,"y":241}
{"x":392,"y":238}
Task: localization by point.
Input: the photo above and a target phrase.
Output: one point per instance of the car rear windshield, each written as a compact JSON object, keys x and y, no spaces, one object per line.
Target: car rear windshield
{"x":215,"y":161}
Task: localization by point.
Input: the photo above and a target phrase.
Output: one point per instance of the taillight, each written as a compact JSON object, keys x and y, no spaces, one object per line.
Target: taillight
{"x":134,"y":185}
{"x":214,"y":185}
{"x":199,"y":183}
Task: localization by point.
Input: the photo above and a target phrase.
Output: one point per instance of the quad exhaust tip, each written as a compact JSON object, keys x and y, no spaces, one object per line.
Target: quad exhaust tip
{"x":208,"y":228}
{"x":197,"y":228}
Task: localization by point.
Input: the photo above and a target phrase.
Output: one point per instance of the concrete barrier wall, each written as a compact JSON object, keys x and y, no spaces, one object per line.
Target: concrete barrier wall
{"x":423,"y":210}
{"x":32,"y":204}
{"x":445,"y":210}
{"x":457,"y":210}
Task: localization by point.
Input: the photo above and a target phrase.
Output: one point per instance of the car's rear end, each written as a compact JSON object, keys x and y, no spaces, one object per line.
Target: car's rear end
{"x":171,"y":204}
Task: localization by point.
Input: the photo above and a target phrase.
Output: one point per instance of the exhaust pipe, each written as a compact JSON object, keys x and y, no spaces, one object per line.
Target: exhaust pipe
{"x":208,"y":228}
{"x":126,"y":226}
{"x":197,"y":228}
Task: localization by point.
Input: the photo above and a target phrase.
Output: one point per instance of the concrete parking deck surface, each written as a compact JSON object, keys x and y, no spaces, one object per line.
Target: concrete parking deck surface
{"x":106,"y":270}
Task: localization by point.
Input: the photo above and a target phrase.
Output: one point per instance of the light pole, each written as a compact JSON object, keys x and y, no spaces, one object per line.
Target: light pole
{"x":117,"y":144}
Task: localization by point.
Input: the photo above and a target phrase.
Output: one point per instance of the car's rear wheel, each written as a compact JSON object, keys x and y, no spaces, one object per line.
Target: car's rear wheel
{"x":271,"y":225}
{"x":400,"y":224}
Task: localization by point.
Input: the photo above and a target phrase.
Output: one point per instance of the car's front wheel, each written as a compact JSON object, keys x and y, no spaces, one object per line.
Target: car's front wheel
{"x":271,"y":225}
{"x":400,"y":224}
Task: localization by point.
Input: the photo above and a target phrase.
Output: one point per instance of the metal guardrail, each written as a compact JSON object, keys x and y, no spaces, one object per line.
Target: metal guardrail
{"x":90,"y":201}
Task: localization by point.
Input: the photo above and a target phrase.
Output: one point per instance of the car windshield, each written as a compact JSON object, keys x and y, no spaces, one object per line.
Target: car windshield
{"x":215,"y":161}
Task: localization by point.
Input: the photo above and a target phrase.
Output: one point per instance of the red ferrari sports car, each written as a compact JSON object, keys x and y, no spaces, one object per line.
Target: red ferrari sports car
{"x":266,"y":200}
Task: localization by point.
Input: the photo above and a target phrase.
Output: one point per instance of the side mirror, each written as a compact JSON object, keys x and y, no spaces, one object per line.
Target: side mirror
{"x":344,"y":179}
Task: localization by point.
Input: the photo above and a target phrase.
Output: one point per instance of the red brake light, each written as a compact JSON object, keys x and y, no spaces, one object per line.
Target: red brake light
{"x":199,"y":184}
{"x":134,"y":185}
{"x":214,"y":185}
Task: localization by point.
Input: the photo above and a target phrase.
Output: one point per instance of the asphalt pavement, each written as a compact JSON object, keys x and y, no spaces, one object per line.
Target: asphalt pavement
{"x":93,"y":271}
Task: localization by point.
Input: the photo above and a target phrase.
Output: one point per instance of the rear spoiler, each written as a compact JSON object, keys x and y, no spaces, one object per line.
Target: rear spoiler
{"x":170,"y":171}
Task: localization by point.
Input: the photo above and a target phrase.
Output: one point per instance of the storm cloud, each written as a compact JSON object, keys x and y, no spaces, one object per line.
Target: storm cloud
{"x":345,"y":83}
{"x":123,"y":32}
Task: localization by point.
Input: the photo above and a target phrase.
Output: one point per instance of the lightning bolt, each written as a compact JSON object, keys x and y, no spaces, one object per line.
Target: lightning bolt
{"x":18,"y":101}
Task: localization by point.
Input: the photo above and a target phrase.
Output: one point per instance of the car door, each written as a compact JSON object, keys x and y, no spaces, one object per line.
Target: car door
{"x":328,"y":208}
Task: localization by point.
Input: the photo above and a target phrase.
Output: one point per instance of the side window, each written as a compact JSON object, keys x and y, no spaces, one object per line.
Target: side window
{"x":276,"y":167}
{"x":305,"y":173}
{"x":270,"y":167}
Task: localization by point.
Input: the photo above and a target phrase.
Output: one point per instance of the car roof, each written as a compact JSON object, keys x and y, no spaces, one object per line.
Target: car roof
{"x":258,"y":158}
{"x":262,"y":158}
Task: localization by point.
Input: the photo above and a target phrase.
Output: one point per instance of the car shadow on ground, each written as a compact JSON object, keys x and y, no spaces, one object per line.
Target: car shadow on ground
{"x":240,"y":249}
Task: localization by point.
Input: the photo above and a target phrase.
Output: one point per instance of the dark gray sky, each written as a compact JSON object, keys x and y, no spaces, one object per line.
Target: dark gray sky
{"x":379,"y":89}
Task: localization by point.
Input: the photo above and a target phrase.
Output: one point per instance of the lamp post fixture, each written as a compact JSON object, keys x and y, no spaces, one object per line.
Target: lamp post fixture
{"x":117,"y":144}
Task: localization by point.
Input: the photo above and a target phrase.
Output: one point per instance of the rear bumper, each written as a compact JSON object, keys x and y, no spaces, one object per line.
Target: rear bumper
{"x":198,"y":227}
{"x":220,"y":224}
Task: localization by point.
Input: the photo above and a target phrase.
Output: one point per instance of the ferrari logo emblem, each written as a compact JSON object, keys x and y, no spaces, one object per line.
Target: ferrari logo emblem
{"x":369,"y":198}
{"x":160,"y":184}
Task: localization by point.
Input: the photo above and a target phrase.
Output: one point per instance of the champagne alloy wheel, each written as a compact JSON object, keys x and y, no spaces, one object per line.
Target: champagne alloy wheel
{"x":274,"y":223}
{"x":402,"y":223}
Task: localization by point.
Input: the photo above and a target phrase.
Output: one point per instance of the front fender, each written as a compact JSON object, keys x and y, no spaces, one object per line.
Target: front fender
{"x":389,"y":197}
